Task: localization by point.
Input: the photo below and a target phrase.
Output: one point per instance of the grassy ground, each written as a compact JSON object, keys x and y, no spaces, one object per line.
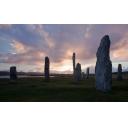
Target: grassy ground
{"x":60,"y":89}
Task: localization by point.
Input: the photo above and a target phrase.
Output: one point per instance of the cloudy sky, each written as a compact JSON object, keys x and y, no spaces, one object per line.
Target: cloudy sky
{"x":26,"y":45}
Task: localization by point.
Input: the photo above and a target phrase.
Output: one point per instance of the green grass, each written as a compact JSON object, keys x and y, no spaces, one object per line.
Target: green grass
{"x":60,"y":89}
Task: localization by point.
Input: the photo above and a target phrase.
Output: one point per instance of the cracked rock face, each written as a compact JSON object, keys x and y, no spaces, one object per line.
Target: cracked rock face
{"x":119,"y":74}
{"x":13,"y":73}
{"x":103,"y":69}
{"x":78,"y":75}
{"x":46,"y":68}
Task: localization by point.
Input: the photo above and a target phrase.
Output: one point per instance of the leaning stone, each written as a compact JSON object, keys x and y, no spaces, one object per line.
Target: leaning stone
{"x":103,"y":69}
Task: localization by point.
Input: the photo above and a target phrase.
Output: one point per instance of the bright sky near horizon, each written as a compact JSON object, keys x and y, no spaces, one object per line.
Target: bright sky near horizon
{"x":26,"y":45}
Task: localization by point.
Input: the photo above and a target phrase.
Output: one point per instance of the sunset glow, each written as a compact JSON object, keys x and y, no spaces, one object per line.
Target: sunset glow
{"x":27,"y":45}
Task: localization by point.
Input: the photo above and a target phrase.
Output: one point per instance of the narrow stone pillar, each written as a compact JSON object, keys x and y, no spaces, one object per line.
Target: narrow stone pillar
{"x":74,"y":62}
{"x":46,"y":68}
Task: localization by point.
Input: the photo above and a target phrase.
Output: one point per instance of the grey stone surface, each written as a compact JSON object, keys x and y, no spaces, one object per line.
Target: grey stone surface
{"x":119,"y":73}
{"x":87,"y":73}
{"x":74,"y":62}
{"x":46,"y":68}
{"x":13,"y":73}
{"x":103,"y":69}
{"x":78,"y":75}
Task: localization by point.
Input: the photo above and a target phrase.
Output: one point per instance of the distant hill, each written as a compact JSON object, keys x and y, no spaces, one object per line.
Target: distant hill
{"x":6,"y":73}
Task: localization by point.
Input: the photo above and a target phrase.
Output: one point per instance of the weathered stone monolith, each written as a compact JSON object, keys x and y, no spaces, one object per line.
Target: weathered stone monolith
{"x":103,"y":69}
{"x":78,"y":72}
{"x":87,"y":73}
{"x":119,"y":73}
{"x":46,"y":68}
{"x":74,"y":62}
{"x":13,"y":73}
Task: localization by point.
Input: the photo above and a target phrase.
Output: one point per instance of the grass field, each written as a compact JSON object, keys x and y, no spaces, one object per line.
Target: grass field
{"x":60,"y":89}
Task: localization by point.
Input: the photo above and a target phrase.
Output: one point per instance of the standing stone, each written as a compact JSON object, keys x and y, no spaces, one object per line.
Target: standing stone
{"x":87,"y":73}
{"x":103,"y":69}
{"x":119,"y":74}
{"x":13,"y":73}
{"x":78,"y":72}
{"x":83,"y":76}
{"x":74,"y":62}
{"x":46,"y":68}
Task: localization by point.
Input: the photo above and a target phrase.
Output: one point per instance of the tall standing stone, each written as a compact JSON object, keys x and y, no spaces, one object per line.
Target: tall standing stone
{"x":119,"y":73}
{"x":103,"y":69}
{"x":13,"y":73}
{"x":78,"y":75}
{"x":46,"y":68}
{"x":74,"y":62}
{"x":87,"y":73}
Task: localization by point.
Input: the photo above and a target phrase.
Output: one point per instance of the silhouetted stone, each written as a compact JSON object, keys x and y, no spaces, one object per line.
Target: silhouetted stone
{"x":103,"y":69}
{"x":83,"y":76}
{"x":119,"y":73}
{"x":87,"y":73}
{"x":74,"y":62}
{"x":46,"y":68}
{"x":13,"y":73}
{"x":78,"y":72}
